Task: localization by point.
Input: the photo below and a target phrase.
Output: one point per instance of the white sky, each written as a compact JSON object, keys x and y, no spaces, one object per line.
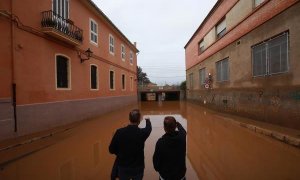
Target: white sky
{"x":161,"y":29}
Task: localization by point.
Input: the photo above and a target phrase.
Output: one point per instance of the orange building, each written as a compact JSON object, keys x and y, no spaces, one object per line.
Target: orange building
{"x":61,"y":61}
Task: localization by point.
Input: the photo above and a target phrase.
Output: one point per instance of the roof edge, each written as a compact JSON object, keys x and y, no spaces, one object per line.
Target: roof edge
{"x":111,"y":23}
{"x":204,"y":21}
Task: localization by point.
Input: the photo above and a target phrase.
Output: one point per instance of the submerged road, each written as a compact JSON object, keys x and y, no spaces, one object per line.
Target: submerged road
{"x":217,"y":148}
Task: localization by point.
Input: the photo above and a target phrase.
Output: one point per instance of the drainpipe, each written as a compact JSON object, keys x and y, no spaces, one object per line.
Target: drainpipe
{"x":14,"y":86}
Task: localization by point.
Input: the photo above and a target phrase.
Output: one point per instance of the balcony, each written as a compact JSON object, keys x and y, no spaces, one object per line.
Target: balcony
{"x":61,"y":28}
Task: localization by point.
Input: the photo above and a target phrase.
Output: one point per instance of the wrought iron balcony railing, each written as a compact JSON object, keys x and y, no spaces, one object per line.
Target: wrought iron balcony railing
{"x":65,"y":27}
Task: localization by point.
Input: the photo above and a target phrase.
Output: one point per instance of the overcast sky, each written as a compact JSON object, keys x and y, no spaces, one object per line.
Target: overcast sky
{"x":161,"y":29}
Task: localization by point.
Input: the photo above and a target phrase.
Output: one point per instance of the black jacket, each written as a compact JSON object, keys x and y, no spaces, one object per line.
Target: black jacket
{"x":169,"y":155}
{"x":128,"y":144}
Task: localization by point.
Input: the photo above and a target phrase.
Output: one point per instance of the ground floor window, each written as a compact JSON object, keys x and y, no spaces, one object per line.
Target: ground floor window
{"x":62,"y":72}
{"x":202,"y":76}
{"x":271,"y":56}
{"x":222,"y":70}
{"x":123,"y":82}
{"x":131,"y":83}
{"x":111,"y":80}
{"x":94,"y":77}
{"x":191,"y":81}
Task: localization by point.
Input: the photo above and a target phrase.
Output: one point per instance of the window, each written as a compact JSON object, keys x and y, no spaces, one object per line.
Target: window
{"x":222,"y":70}
{"x":271,"y":56}
{"x":221,"y":28}
{"x":191,"y":81}
{"x":94,"y":77}
{"x":123,"y":82}
{"x":201,"y":46}
{"x":93,"y":32}
{"x":111,"y":44}
{"x":123,"y":54}
{"x":258,"y":2}
{"x":111,"y":80}
{"x":131,"y":83}
{"x":131,"y":57}
{"x":61,"y":7}
{"x":202,"y":76}
{"x":62,"y":72}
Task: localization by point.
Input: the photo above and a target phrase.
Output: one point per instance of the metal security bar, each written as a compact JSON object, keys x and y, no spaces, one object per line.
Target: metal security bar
{"x":52,"y":20}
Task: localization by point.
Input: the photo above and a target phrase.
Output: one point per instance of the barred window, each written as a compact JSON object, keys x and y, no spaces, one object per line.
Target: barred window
{"x":191,"y":81}
{"x":271,"y":56}
{"x":94,"y":77}
{"x":62,"y":72}
{"x":202,"y":76}
{"x":112,"y":80}
{"x":222,"y":70}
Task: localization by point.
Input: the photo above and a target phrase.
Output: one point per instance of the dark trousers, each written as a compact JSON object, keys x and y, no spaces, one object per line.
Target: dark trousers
{"x":130,"y":173}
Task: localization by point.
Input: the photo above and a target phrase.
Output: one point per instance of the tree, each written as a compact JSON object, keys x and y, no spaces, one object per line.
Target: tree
{"x":142,"y":77}
{"x":183,"y":85}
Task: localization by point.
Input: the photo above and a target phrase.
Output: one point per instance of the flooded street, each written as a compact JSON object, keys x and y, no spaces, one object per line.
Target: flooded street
{"x":216,"y":148}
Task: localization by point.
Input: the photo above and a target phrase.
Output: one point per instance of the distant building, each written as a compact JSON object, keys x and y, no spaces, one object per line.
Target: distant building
{"x":61,"y":61}
{"x":244,"y":59}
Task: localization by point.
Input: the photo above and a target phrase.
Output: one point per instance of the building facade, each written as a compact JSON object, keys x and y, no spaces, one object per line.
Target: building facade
{"x":61,"y":61}
{"x":244,"y":59}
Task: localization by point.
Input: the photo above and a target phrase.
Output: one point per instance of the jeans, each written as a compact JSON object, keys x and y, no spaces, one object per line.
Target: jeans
{"x":130,"y":173}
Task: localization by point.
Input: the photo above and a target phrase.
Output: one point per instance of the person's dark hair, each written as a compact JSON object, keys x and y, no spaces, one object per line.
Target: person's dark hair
{"x":169,"y":124}
{"x":134,"y":116}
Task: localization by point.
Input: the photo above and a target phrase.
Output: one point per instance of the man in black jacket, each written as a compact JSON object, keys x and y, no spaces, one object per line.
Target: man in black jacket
{"x":128,"y":144}
{"x":170,"y":150}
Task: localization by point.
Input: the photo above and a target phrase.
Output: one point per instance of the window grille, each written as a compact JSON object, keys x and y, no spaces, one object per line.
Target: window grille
{"x":202,"y":76}
{"x":191,"y":79}
{"x":222,"y":70}
{"x":271,"y":56}
{"x":201,"y":46}
{"x":123,"y":52}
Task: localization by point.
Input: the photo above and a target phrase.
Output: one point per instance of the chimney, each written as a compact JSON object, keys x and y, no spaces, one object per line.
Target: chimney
{"x":134,"y":44}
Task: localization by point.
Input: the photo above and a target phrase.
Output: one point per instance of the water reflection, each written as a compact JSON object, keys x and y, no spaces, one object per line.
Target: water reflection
{"x":217,"y":148}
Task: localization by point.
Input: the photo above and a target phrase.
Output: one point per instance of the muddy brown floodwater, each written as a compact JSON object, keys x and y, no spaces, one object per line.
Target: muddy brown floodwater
{"x":216,"y":148}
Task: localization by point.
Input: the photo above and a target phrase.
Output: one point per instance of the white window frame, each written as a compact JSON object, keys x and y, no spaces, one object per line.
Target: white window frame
{"x":123,"y":52}
{"x":94,"y":33}
{"x":123,"y":89}
{"x":111,"y":45}
{"x":97,"y":77}
{"x":62,"y":13}
{"x":131,"y":83}
{"x":114,"y":80}
{"x":69,"y":73}
{"x":131,"y":58}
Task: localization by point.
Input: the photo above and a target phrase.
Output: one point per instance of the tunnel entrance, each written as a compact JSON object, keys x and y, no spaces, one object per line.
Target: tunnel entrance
{"x":160,"y":96}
